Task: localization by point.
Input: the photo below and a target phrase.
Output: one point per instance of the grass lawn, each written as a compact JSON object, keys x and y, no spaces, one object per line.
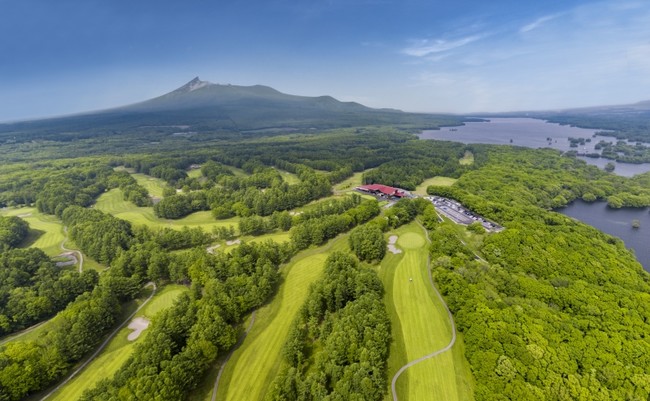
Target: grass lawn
{"x":118,"y":350}
{"x":254,"y":365}
{"x":467,"y":159}
{"x":420,"y":326}
{"x":154,"y":186}
{"x":112,"y":202}
{"x":289,"y":178}
{"x":350,"y":183}
{"x":438,"y":180}
{"x":45,"y":231}
{"x":196,"y":173}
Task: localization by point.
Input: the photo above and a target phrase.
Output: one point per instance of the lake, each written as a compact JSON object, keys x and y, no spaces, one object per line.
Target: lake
{"x":617,"y":222}
{"x":532,"y":133}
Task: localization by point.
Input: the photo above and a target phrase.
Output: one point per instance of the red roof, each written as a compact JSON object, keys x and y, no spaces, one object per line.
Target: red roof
{"x":385,"y":189}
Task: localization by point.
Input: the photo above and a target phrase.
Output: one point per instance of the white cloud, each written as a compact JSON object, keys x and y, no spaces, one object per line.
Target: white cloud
{"x":538,"y":23}
{"x":426,"y":47}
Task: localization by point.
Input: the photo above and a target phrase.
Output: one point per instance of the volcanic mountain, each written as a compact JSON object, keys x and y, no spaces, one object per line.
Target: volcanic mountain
{"x":201,"y":106}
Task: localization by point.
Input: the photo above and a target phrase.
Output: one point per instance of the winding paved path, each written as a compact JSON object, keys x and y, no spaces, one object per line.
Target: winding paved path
{"x":104,"y":344}
{"x":451,"y":320}
{"x":81,"y":256}
{"x":232,"y":351}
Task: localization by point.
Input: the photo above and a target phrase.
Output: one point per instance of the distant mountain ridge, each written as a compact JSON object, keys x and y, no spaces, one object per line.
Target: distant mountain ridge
{"x":203,"y":106}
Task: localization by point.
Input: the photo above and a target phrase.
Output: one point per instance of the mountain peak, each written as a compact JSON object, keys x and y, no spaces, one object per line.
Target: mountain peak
{"x":193,"y":85}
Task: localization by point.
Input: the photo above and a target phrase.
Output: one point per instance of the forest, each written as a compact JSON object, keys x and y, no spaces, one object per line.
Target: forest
{"x":552,"y":309}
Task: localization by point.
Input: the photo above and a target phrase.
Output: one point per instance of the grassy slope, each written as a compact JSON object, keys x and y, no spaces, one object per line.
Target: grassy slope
{"x":118,"y":350}
{"x":289,"y":178}
{"x":351,"y":182}
{"x":440,"y":181}
{"x":253,"y":366}
{"x":154,"y":186}
{"x":420,"y":326}
{"x":46,"y":232}
{"x":112,"y":202}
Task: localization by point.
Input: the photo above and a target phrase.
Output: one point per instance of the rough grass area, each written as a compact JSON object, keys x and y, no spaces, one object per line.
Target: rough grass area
{"x":254,"y":365}
{"x":118,"y":350}
{"x":45,"y":231}
{"x":467,"y":159}
{"x":112,"y":202}
{"x":420,"y":326}
{"x":438,"y":180}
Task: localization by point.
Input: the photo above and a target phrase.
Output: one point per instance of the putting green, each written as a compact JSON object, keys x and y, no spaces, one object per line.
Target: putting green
{"x":411,"y":240}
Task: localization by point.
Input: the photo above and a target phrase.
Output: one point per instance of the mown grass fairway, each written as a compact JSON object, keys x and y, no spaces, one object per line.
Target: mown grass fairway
{"x":253,"y":366}
{"x":118,"y":350}
{"x":350,"y":183}
{"x":45,"y":231}
{"x":155,"y":186}
{"x":289,"y":178}
{"x":438,"y":180}
{"x":420,"y":326}
{"x":111,"y":202}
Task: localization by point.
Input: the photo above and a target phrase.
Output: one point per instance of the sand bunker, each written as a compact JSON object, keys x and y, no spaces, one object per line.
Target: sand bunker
{"x":138,"y":325}
{"x":233,"y":242}
{"x":392,"y":240}
{"x":212,"y":248}
{"x":72,"y":259}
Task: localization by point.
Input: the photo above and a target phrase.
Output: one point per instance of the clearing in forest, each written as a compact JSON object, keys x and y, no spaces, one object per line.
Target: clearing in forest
{"x":467,"y":159}
{"x":438,"y":181}
{"x":420,"y":326}
{"x":254,"y":365}
{"x":118,"y":350}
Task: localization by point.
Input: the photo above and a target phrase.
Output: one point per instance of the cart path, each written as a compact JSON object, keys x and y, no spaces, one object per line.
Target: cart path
{"x":75,"y":251}
{"x":232,"y":351}
{"x":104,"y":344}
{"x":451,"y":320}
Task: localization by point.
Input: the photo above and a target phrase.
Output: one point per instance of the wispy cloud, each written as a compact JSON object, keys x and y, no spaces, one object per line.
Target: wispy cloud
{"x":427,"y":47}
{"x":538,"y":23}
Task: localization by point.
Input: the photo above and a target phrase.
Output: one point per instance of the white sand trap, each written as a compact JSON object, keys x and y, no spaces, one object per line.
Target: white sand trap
{"x":212,"y":248}
{"x":24,"y":215}
{"x":138,"y":325}
{"x":233,"y":242}
{"x":392,"y":240}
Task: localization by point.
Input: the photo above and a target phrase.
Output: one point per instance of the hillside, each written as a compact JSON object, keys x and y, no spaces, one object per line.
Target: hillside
{"x":201,"y":106}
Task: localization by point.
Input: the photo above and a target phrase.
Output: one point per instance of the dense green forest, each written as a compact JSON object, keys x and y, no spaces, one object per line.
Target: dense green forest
{"x":552,"y":309}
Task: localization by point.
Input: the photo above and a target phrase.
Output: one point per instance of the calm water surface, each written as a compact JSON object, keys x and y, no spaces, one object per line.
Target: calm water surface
{"x":532,"y":133}
{"x":617,"y":222}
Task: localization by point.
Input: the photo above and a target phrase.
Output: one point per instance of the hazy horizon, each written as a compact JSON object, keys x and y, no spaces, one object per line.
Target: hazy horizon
{"x":465,"y":57}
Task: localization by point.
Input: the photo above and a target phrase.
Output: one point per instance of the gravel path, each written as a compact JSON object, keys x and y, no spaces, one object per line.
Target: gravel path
{"x":437,"y":352}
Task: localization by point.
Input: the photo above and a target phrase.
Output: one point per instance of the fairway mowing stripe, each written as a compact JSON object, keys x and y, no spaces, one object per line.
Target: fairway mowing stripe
{"x":435,"y":353}
{"x":263,"y":350}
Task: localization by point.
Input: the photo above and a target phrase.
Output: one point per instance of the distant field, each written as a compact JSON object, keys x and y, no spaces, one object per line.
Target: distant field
{"x":118,"y":350}
{"x":112,"y":202}
{"x":46,"y":232}
{"x":438,"y":180}
{"x":467,"y":159}
{"x":420,"y":326}
{"x":254,"y":365}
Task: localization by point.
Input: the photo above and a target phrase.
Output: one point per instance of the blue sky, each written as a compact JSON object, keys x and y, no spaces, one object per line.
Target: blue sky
{"x":67,"y":56}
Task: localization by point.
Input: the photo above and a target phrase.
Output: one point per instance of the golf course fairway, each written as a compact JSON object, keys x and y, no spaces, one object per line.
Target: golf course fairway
{"x":420,"y":326}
